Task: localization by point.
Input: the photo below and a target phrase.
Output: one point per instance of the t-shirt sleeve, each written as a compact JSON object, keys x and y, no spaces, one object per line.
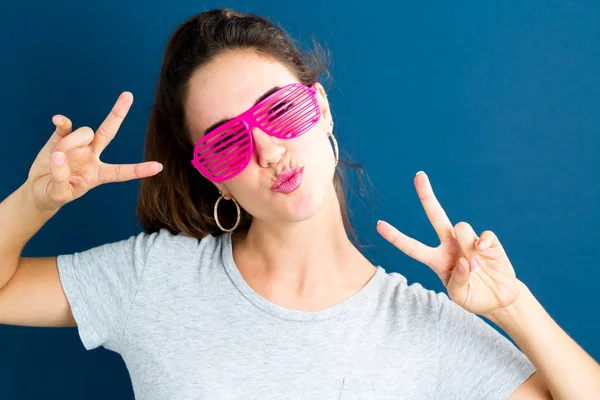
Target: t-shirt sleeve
{"x":475,"y":360}
{"x":100,"y":284}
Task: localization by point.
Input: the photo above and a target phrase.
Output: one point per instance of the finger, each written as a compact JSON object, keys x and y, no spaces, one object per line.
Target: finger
{"x":435,"y":213}
{"x":487,"y":240}
{"x":82,"y":137}
{"x":108,"y":129}
{"x":459,"y":280}
{"x":126,"y":172}
{"x":59,"y":188}
{"x":492,"y":248}
{"x":466,"y":238}
{"x":409,"y":246}
{"x":63,"y":128}
{"x":462,"y":273}
{"x":63,"y":125}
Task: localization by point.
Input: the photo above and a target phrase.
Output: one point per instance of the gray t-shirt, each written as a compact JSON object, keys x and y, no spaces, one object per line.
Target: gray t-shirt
{"x":189,"y":327}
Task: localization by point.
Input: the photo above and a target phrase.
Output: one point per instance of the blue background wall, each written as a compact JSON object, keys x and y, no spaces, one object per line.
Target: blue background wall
{"x":499,"y":103}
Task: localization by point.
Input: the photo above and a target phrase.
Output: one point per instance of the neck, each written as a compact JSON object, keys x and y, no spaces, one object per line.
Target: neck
{"x":301,"y":258}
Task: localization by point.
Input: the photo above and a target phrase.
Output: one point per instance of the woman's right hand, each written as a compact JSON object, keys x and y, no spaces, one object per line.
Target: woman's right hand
{"x":69,"y":165}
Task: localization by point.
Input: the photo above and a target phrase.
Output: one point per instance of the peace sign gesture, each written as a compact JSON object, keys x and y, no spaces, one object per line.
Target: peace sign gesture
{"x":69,"y":165}
{"x":475,"y":270}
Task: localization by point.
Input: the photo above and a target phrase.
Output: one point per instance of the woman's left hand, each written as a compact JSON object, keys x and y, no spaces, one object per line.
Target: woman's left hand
{"x":487,"y":285}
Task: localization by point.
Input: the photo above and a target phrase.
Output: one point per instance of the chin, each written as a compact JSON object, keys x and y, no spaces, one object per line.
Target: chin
{"x":306,"y":202}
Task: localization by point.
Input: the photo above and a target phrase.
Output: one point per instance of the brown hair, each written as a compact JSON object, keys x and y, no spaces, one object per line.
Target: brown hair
{"x":179,"y":198}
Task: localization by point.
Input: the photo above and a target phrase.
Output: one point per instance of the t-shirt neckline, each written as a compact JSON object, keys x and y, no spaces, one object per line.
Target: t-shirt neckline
{"x":358,"y":299}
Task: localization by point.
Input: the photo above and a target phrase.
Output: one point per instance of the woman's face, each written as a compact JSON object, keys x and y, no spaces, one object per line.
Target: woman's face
{"x":229,"y":85}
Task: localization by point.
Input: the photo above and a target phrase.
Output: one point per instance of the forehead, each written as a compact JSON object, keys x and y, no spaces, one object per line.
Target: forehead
{"x":230,"y":84}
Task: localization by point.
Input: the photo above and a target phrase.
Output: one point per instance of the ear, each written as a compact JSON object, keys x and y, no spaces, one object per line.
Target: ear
{"x":223,"y":190}
{"x":324,"y":104}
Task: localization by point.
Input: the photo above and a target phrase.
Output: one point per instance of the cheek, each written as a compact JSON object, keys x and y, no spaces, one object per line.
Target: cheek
{"x":244,"y":195}
{"x":242,"y":184}
{"x":249,"y":187}
{"x":310,"y":147}
{"x":319,"y":158}
{"x":321,"y":151}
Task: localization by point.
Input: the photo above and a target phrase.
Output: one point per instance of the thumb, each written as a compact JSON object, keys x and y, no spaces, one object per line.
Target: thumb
{"x":59,"y":188}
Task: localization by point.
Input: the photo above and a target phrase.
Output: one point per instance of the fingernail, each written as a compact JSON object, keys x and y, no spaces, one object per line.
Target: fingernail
{"x":463,"y":265}
{"x":385,"y":226}
{"x":383,"y":223}
{"x":59,"y":120}
{"x":58,"y":158}
{"x":481,"y":245}
{"x":474,"y":265}
{"x":160,"y":167}
{"x":420,"y":172}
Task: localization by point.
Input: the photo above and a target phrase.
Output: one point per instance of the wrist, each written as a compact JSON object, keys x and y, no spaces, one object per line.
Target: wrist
{"x":27,"y":199}
{"x":22,"y":219}
{"x":515,"y":313}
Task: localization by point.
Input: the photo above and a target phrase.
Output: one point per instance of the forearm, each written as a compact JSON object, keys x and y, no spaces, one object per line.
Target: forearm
{"x":20,"y":219}
{"x":569,"y":372}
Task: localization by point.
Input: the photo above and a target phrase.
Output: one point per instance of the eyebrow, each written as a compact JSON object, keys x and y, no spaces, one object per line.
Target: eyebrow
{"x":261,"y":98}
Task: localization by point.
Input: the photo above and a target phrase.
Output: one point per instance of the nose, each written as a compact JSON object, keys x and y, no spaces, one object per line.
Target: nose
{"x":268,"y":150}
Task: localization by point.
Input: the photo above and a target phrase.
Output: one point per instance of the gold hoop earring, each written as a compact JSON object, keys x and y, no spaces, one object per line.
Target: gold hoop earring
{"x":216,"y":214}
{"x":335,"y":147}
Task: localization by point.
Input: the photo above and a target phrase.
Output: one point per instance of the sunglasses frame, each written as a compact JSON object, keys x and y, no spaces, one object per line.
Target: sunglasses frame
{"x":251,"y":119}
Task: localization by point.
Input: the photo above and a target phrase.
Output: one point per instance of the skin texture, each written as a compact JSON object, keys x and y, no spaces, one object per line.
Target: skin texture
{"x":229,"y":86}
{"x":271,"y":256}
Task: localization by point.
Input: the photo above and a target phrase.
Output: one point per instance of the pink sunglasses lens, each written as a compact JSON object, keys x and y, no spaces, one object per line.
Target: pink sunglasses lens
{"x":289,"y":113}
{"x":226,"y":151}
{"x":223,"y":153}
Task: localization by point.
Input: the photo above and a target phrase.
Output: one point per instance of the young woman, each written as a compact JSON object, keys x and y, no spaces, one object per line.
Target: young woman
{"x":246,"y":283}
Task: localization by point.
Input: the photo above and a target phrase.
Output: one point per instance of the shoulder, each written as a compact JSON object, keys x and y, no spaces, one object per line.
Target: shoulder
{"x":421,"y":302}
{"x":410,"y":306}
{"x":167,"y":247}
{"x":166,"y":240}
{"x":411,"y":297}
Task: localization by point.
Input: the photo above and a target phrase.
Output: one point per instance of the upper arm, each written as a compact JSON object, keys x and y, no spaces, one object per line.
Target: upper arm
{"x":533,"y":388}
{"x":475,"y":360}
{"x":35,"y":297}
